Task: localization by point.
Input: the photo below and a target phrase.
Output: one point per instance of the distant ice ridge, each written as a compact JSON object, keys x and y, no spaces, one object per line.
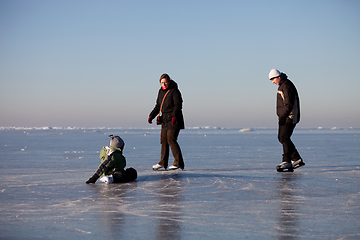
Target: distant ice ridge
{"x":70,"y":128}
{"x":158,"y":127}
{"x":246,"y":130}
{"x":205,"y":127}
{"x":38,"y":128}
{"x":103,"y":128}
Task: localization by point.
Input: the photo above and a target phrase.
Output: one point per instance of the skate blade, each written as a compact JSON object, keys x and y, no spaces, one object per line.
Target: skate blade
{"x":284,"y":169}
{"x":299,"y":166}
{"x":159,"y":169}
{"x":173,"y":169}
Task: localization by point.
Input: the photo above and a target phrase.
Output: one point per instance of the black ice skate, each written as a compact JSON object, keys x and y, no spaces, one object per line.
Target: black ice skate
{"x":298,"y":163}
{"x":285,"y":167}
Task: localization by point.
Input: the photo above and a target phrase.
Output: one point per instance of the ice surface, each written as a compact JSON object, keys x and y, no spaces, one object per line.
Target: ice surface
{"x":229,"y":189}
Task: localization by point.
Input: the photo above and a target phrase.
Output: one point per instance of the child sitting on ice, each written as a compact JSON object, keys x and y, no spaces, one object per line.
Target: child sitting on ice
{"x":113,"y":163}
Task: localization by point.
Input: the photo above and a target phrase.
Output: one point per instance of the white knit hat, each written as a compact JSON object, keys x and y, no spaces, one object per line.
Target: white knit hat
{"x":274,"y":73}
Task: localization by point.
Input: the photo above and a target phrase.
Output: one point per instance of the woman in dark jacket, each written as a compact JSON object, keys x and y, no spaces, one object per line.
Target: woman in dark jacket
{"x":168,"y":108}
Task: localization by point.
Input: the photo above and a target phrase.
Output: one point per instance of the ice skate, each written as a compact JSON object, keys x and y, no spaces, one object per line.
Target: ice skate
{"x":107,"y":179}
{"x":157,"y":167}
{"x":173,"y":167}
{"x":285,"y":167}
{"x":298,"y":163}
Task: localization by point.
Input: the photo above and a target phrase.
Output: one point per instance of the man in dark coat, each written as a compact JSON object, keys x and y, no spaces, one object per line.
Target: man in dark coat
{"x":168,"y":108}
{"x":288,"y":111}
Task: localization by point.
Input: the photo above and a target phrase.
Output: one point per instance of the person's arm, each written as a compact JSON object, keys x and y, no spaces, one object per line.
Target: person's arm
{"x":105,"y":161}
{"x":288,"y":101}
{"x":155,"y":111}
{"x":177,"y":99}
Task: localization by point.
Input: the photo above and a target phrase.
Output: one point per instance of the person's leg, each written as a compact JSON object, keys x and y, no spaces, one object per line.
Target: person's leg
{"x":128,"y":175}
{"x":294,"y":154}
{"x":284,"y":136}
{"x":172,"y":136}
{"x":164,"y":148}
{"x":119,"y":177}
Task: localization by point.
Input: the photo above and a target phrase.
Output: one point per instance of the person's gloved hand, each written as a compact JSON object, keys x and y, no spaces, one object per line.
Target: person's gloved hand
{"x":173,"y":121}
{"x":150,"y":119}
{"x":93,"y":179}
{"x":282,"y":121}
{"x":159,"y":120}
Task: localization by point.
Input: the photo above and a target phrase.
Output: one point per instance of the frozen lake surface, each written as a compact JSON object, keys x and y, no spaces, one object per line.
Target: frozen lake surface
{"x":228,"y":190}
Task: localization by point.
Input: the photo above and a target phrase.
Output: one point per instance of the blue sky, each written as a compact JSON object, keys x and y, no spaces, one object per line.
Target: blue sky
{"x":97,"y":63}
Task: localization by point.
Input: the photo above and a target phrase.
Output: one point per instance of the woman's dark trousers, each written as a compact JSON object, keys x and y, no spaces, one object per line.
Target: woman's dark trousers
{"x":168,"y":138}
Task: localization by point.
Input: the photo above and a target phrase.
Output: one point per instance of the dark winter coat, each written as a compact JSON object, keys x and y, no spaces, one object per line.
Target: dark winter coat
{"x":288,"y":103}
{"x":172,"y":107}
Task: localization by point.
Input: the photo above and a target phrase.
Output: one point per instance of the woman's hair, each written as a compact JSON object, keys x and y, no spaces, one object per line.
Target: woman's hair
{"x":166,"y":76}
